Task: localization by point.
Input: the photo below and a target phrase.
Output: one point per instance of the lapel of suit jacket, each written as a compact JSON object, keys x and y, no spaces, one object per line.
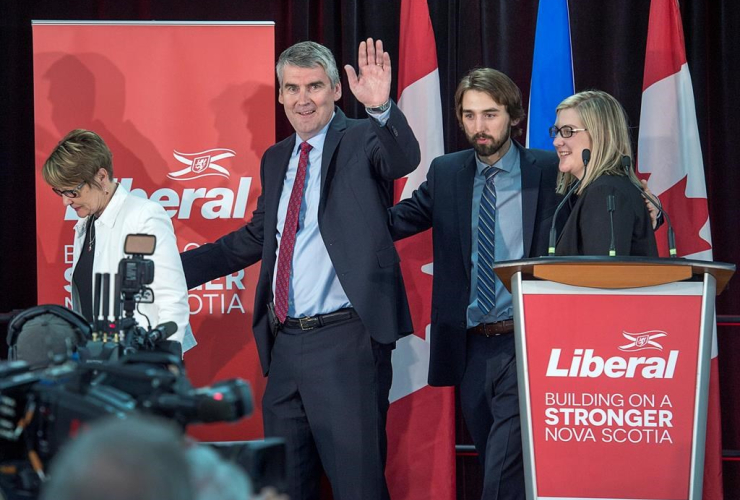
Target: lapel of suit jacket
{"x":274,"y":189}
{"x":464,"y":191}
{"x":530,"y":194}
{"x":333,"y":137}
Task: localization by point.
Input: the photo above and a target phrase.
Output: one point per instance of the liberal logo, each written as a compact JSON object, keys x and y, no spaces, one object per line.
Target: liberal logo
{"x":587,"y":363}
{"x":642,"y":341}
{"x":202,"y":164}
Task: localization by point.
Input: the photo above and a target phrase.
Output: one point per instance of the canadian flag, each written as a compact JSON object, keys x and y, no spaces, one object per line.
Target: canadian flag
{"x":421,"y":430}
{"x":669,"y":155}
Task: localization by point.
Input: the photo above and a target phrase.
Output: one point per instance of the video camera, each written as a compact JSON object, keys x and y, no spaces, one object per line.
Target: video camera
{"x":41,"y":409}
{"x":118,"y":368}
{"x":120,"y":334}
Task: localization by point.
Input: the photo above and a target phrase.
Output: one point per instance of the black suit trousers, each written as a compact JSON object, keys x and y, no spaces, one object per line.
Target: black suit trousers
{"x":327,"y":396}
{"x":490,"y":404}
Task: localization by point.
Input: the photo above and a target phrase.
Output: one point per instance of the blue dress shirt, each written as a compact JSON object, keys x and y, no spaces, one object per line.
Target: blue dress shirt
{"x":314,"y":286}
{"x":509,"y":239}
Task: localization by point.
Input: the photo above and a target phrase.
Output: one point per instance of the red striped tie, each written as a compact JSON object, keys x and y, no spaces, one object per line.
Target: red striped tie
{"x":287,"y":240}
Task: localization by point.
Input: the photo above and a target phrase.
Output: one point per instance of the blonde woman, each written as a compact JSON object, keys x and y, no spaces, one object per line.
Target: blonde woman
{"x":606,"y":197}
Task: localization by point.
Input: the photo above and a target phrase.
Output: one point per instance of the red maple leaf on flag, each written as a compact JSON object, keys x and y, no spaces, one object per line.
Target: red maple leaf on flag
{"x":688,"y":216}
{"x":416,"y":253}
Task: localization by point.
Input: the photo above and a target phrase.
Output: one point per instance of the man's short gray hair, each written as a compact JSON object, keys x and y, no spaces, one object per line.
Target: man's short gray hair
{"x":141,"y":457}
{"x":308,"y":55}
{"x":215,"y":478}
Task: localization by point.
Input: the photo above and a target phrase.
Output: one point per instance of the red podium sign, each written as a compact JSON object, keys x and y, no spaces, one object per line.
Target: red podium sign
{"x":611,"y":381}
{"x":613,"y":362}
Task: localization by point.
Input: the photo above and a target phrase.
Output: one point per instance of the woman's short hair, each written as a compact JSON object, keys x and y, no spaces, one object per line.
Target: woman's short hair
{"x":499,"y":87}
{"x":308,"y":55}
{"x":77,"y":158}
{"x":606,"y":123}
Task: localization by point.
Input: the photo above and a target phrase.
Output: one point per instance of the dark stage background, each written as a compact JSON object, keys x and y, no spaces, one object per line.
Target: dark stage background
{"x":608,"y":39}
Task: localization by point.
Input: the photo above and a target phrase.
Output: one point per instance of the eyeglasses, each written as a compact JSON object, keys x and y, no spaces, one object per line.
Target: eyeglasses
{"x":69,"y":193}
{"x":566,"y":131}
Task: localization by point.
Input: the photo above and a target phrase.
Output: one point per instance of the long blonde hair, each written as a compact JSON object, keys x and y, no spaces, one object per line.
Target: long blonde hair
{"x":606,"y":123}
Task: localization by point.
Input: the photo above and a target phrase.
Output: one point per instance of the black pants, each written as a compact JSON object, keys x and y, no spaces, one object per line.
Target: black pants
{"x":490,"y":406}
{"x":327,"y":396}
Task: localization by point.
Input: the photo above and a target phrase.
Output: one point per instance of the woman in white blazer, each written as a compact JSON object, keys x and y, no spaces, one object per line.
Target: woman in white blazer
{"x":80,"y":171}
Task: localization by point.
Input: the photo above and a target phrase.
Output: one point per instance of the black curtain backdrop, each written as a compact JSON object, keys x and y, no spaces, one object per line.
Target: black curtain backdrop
{"x":608,"y":39}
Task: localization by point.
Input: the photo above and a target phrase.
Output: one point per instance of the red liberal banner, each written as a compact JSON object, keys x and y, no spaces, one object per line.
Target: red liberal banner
{"x":612,"y":388}
{"x":187,"y":110}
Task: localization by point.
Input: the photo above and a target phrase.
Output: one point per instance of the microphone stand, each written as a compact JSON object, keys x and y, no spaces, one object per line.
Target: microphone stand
{"x":672,"y":252}
{"x":586,"y":156}
{"x":611,"y":206}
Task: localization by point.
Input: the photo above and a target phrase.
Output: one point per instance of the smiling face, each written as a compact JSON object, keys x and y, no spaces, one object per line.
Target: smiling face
{"x":487,"y":125}
{"x":308,"y":98}
{"x":570,"y":150}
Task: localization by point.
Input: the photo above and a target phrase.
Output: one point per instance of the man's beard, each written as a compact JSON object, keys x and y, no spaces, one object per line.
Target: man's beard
{"x":485,"y":150}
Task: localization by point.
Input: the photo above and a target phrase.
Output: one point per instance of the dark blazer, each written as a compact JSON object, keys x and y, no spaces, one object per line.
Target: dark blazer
{"x":444,"y":202}
{"x":359,"y":163}
{"x":588,"y":229}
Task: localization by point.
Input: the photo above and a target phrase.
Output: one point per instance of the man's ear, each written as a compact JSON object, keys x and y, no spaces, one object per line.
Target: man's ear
{"x":338,"y":92}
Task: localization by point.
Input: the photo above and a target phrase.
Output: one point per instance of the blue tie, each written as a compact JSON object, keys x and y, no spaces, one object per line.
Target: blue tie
{"x":486,"y":244}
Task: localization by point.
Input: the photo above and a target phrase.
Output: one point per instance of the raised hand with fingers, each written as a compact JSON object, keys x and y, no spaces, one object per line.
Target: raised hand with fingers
{"x":372,"y":87}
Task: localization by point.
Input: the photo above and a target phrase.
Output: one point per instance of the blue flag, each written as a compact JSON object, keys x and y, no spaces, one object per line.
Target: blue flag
{"x":552,"y":71}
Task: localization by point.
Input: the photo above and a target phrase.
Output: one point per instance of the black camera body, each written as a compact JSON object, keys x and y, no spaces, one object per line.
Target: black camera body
{"x":114,"y":369}
{"x":40,"y":410}
{"x":135,"y":272}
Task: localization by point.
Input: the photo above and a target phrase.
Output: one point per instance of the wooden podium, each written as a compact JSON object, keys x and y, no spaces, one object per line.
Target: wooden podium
{"x":613,"y":360}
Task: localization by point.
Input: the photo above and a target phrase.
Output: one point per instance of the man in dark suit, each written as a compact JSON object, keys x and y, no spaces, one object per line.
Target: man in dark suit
{"x":472,"y":345}
{"x":330,"y":301}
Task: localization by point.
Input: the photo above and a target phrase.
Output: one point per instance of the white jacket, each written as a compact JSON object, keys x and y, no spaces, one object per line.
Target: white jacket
{"x":127,"y":214}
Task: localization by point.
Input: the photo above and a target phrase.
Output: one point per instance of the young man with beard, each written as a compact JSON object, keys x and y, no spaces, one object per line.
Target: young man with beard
{"x":492,"y":203}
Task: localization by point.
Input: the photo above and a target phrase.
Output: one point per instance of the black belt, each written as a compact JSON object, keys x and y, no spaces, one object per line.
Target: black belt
{"x":494,"y":329}
{"x":311,"y":322}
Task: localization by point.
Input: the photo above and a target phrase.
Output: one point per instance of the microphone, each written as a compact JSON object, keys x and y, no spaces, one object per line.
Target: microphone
{"x":627,"y":166}
{"x":106,"y":304}
{"x":97,"y":320}
{"x":117,"y":301}
{"x":611,"y":205}
{"x":586,"y":156}
{"x":162,"y":332}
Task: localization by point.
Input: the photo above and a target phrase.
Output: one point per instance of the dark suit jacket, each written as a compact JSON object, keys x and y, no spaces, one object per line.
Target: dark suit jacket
{"x":360,"y":160}
{"x":444,"y":202}
{"x":588,"y":229}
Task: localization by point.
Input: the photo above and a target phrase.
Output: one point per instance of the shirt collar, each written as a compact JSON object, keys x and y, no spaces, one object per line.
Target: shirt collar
{"x":317,"y":141}
{"x":108,"y":217}
{"x":110,"y":214}
{"x":506,"y":163}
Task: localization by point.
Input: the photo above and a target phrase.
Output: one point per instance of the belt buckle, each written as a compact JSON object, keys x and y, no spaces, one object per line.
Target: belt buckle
{"x":308,"y":322}
{"x":486,"y":332}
